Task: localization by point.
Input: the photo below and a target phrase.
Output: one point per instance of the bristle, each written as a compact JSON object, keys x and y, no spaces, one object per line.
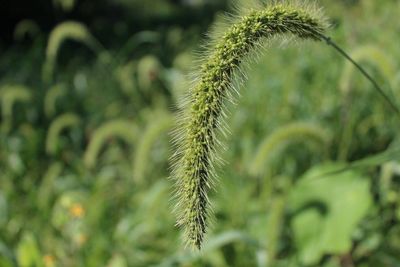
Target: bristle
{"x":217,"y":82}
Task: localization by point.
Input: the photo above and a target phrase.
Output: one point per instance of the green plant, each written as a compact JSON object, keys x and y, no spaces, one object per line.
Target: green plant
{"x":378,"y":58}
{"x":3,"y":209}
{"x":371,"y":54}
{"x":66,"y":5}
{"x":9,"y":95}
{"x":200,"y":120}
{"x":46,"y":189}
{"x":125,"y":76}
{"x":59,"y":124}
{"x":51,"y":98}
{"x":55,"y":211}
{"x":67,"y":30}
{"x":276,"y":216}
{"x":160,"y":122}
{"x":318,"y":200}
{"x":148,"y":69}
{"x":28,"y":251}
{"x":123,"y":129}
{"x":131,"y":45}
{"x":26,"y":27}
{"x":202,"y":113}
{"x":297,"y":131}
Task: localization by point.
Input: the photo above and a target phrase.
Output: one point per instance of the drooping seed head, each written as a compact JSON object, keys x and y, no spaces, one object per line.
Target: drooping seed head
{"x":200,"y":120}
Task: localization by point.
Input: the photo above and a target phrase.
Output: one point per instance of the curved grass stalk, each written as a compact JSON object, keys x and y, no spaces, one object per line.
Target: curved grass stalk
{"x":364,"y":73}
{"x":122,"y":129}
{"x":148,"y":69}
{"x":372,"y":55}
{"x":376,"y":57}
{"x":46,"y":188}
{"x":282,"y":137}
{"x":159,"y":125}
{"x":203,"y":111}
{"x":387,"y":173}
{"x":276,"y":217}
{"x":26,"y":27}
{"x":201,"y":117}
{"x":54,"y":93}
{"x":124,"y":75}
{"x":66,"y":5}
{"x":376,"y":160}
{"x":371,"y":122}
{"x":9,"y":95}
{"x":143,"y":37}
{"x":57,"y":126}
{"x":69,"y":30}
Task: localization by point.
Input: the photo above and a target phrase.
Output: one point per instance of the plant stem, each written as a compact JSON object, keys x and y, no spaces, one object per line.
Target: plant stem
{"x":329,"y":41}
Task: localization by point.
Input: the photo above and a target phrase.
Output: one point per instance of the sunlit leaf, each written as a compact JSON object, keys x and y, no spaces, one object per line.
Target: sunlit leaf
{"x":326,"y":211}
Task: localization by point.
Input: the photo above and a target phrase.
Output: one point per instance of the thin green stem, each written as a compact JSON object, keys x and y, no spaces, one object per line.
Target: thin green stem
{"x":329,"y":41}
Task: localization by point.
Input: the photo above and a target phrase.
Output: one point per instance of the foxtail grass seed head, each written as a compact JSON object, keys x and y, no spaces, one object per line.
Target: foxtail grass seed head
{"x":68,"y":30}
{"x":200,"y":121}
{"x":55,"y":129}
{"x":119,"y":128}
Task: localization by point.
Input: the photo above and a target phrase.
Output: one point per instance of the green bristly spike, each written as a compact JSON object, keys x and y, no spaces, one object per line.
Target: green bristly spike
{"x":202,"y":112}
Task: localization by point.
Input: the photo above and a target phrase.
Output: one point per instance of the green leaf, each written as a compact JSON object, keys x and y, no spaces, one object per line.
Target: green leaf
{"x":28,"y":253}
{"x":210,"y":250}
{"x":117,"y":261}
{"x":5,"y":262}
{"x":327,"y":211}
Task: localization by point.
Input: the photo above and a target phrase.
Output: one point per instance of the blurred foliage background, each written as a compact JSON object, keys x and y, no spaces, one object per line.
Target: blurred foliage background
{"x":87,"y":95}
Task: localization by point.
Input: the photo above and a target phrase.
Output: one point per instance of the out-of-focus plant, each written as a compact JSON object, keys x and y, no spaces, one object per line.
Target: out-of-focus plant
{"x":69,"y":30}
{"x":50,"y":100}
{"x":57,"y":210}
{"x":10,"y":95}
{"x":123,"y":129}
{"x":25,"y":28}
{"x":281,"y":137}
{"x":159,"y":124}
{"x":57,"y":126}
